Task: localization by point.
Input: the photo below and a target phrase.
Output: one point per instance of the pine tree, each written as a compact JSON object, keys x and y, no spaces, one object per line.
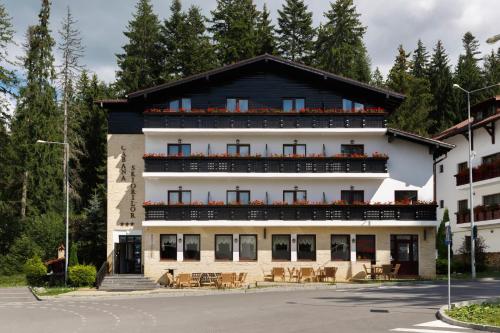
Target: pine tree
{"x":140,"y":65}
{"x":377,"y":79}
{"x":399,"y":76}
{"x":340,"y":48}
{"x":441,"y":247}
{"x":468,"y":75}
{"x":197,"y":53}
{"x":234,"y":30}
{"x":491,"y":70}
{"x":440,"y":78}
{"x":266,"y":42}
{"x":420,"y":61}
{"x":8,"y":79}
{"x":171,"y":39}
{"x":295,"y":31}
{"x":37,"y":117}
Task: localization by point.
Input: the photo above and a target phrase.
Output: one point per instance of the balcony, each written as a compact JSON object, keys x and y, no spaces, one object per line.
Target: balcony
{"x":481,"y":213}
{"x":265,"y":164}
{"x":417,"y":212}
{"x":264,"y":120}
{"x":480,"y":173}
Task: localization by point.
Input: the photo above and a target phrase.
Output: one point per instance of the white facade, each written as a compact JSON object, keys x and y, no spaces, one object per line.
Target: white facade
{"x":449,"y":193}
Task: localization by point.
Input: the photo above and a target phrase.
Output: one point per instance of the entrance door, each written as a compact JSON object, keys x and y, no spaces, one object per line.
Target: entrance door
{"x":404,"y":251}
{"x":128,"y":255}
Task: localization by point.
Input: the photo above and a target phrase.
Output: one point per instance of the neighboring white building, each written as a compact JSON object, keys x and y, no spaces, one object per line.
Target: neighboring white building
{"x":452,"y":178}
{"x":267,"y":163}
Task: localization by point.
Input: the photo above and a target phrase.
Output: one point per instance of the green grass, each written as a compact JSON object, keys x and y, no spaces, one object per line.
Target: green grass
{"x":486,"y":314}
{"x":16,"y":280}
{"x":466,"y":276}
{"x":53,"y":291}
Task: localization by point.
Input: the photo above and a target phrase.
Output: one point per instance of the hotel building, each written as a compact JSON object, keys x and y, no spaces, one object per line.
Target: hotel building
{"x":267,"y":163}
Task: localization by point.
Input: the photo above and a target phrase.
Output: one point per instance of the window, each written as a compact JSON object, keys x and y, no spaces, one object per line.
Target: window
{"x":491,"y":158}
{"x":237,"y":105}
{"x":348,"y":105}
{"x":365,"y":247}
{"x":441,"y":168}
{"x":248,"y":247}
{"x":238,"y":149}
{"x":179,"y":197}
{"x":341,"y":247}
{"x":306,"y":247}
{"x":441,"y":203}
{"x":223,"y":247}
{"x":293,"y":104}
{"x":463,"y":205}
{"x":406,"y":196}
{"x":491,"y":200}
{"x":294,"y":196}
{"x":179,"y":149}
{"x":468,"y":244}
{"x":168,"y":247}
{"x":182,"y":104}
{"x":238,"y":197}
{"x":462,"y":167}
{"x":358,"y":107}
{"x":294,"y":149}
{"x":281,"y":247}
{"x":352,"y":149}
{"x":352,"y":196}
{"x":191,"y":247}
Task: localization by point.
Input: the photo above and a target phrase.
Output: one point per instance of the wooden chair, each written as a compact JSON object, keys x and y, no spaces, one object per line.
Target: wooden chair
{"x":241,"y":280}
{"x":226,"y":280}
{"x":183,"y":280}
{"x":278,"y":273}
{"x":368,"y":271}
{"x":307,"y":273}
{"x":386,"y":271}
{"x":330,"y":273}
{"x":293,"y":274}
{"x":395,"y":272}
{"x":196,"y":279}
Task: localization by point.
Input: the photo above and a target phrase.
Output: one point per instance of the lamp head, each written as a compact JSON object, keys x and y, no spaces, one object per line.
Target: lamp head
{"x":456,"y":86}
{"x":40,"y":141}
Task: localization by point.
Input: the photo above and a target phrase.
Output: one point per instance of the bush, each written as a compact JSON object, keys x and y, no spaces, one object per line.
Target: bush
{"x":442,"y":266}
{"x":82,"y":275}
{"x":35,"y":271}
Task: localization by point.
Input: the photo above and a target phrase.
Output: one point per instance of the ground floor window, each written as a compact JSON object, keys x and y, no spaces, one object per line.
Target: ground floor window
{"x":365,"y":247}
{"x":340,"y":247}
{"x":223,"y":247}
{"x":191,"y":247}
{"x":281,"y":247}
{"x":248,"y":247}
{"x":168,"y":247}
{"x":306,"y":247}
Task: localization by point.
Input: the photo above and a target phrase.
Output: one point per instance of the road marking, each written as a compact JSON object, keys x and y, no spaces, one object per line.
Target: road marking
{"x":440,"y":324}
{"x":421,"y":330}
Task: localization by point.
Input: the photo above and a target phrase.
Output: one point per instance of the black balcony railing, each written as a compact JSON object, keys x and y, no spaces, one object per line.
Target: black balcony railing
{"x":255,"y":120}
{"x":482,"y":172}
{"x":292,"y":212}
{"x":265,"y":164}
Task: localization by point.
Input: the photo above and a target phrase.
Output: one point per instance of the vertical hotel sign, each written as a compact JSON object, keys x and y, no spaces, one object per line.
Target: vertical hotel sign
{"x":133,"y":186}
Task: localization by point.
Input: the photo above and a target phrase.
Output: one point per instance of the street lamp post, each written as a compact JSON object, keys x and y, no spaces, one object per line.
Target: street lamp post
{"x":66,"y":186}
{"x":471,"y":192}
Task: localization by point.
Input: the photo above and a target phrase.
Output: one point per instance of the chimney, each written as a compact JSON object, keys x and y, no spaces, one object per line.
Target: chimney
{"x":60,"y":251}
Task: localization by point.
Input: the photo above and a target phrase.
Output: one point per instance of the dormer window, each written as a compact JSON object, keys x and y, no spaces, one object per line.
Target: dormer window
{"x":237,"y":105}
{"x":293,"y":104}
{"x":181,"y":104}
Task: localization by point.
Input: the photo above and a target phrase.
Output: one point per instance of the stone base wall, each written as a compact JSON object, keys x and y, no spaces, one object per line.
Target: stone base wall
{"x":493,"y":260}
{"x":156,"y":268}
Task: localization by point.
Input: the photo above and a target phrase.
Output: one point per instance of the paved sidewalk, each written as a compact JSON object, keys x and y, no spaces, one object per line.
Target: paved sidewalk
{"x":16,"y":295}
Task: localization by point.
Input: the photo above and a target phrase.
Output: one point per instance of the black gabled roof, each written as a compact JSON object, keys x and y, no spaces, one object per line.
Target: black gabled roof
{"x":397,"y":97}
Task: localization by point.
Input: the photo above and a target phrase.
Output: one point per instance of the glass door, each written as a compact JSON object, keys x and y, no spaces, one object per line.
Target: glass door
{"x":404,"y":251}
{"x":128,"y":255}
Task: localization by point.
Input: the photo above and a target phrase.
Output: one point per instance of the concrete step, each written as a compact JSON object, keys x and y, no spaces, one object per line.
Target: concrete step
{"x":127,"y":282}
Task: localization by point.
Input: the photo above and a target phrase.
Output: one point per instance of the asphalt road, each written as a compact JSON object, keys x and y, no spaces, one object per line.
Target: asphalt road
{"x":383,"y":309}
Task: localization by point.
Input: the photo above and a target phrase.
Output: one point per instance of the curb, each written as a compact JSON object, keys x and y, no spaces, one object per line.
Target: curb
{"x":34,"y":294}
{"x":480,"y":327}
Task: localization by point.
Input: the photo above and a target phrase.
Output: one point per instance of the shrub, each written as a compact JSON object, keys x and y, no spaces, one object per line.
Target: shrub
{"x":35,"y":271}
{"x":73,"y":256}
{"x":82,"y":275}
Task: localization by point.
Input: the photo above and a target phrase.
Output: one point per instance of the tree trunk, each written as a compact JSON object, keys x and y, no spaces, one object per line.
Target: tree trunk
{"x":24,"y":195}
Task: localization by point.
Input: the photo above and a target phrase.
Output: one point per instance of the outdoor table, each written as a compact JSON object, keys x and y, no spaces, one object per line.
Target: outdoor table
{"x":376,"y":270}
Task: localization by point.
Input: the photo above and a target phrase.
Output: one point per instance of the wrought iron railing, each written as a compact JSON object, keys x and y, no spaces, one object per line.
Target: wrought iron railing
{"x":482,"y":172}
{"x":265,"y":164}
{"x":291,"y":212}
{"x":482,"y":213}
{"x":255,"y":120}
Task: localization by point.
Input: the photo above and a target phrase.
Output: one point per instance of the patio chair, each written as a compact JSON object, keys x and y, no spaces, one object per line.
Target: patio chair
{"x":307,"y":274}
{"x":395,"y":272}
{"x":183,"y":280}
{"x":293,"y":274}
{"x":241,"y":280}
{"x":368,"y":271}
{"x":196,"y":279}
{"x":330,"y":273}
{"x":386,"y":271}
{"x":169,"y":280}
{"x":226,"y":280}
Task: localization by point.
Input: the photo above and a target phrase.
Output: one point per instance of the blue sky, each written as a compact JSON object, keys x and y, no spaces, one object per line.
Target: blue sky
{"x":389,"y":22}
